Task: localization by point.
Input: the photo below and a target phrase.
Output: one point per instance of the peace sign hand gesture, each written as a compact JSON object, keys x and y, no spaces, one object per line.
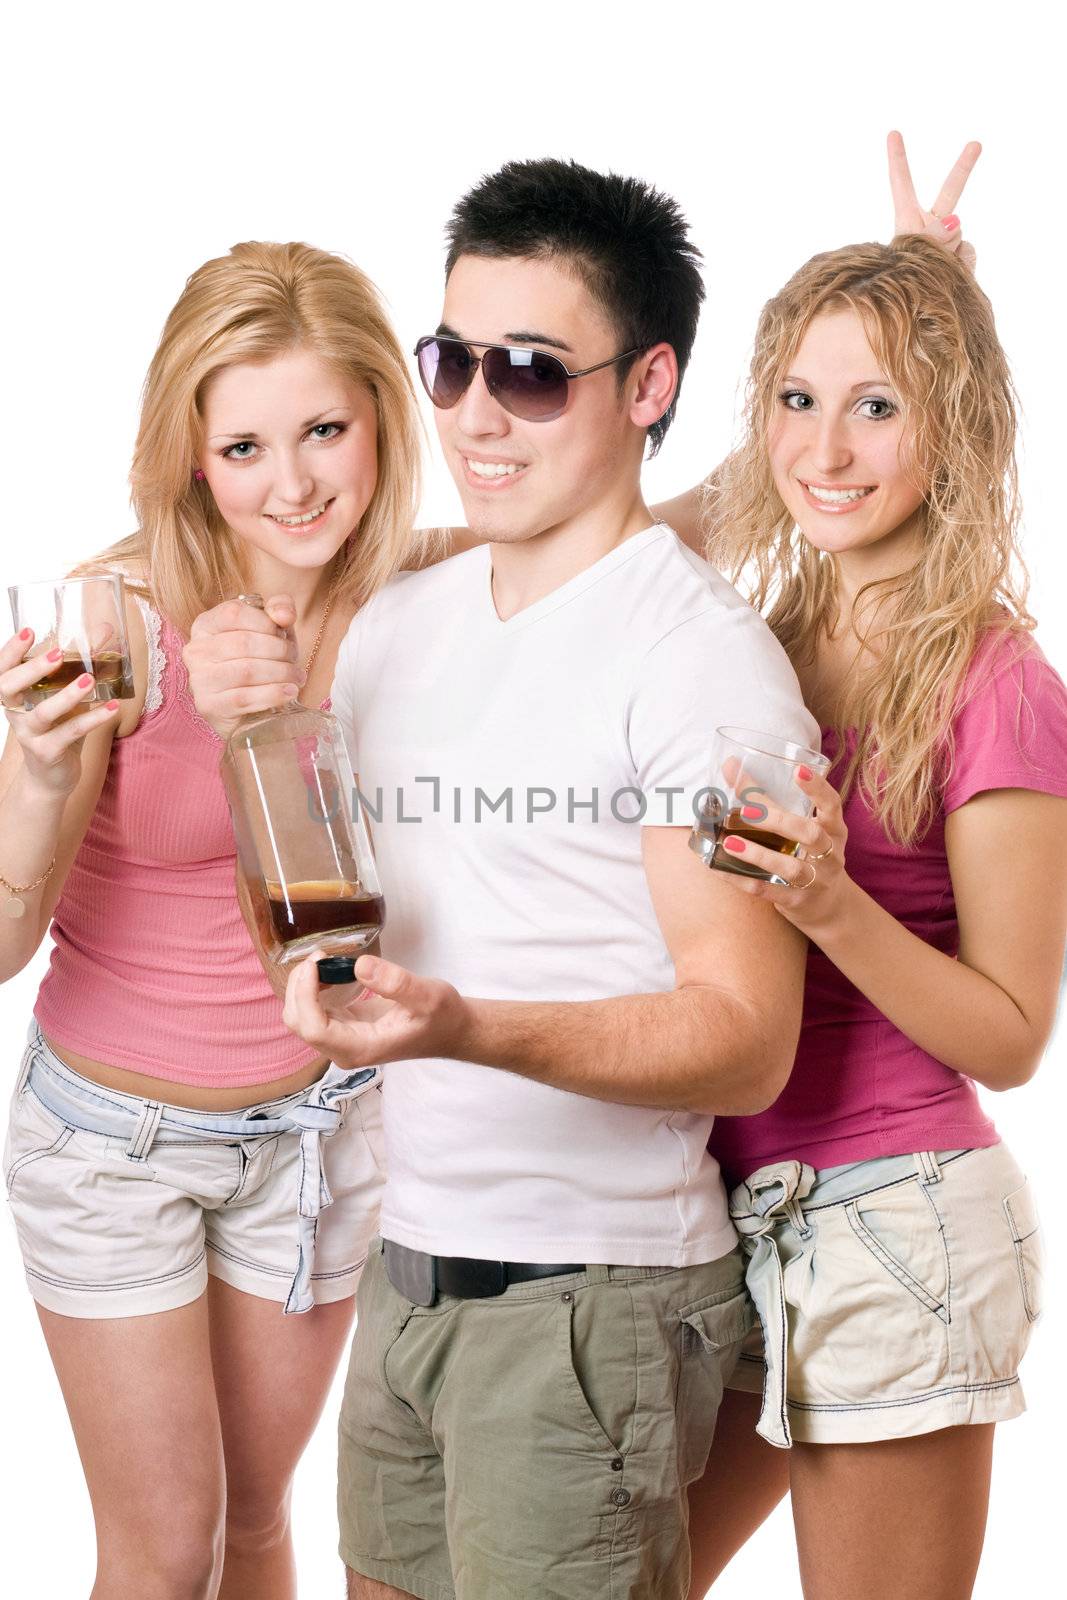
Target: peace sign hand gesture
{"x":939,"y":223}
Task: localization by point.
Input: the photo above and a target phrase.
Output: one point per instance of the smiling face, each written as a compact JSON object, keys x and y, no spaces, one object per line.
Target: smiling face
{"x":518,"y":479}
{"x":838,"y":447}
{"x":290,"y":454}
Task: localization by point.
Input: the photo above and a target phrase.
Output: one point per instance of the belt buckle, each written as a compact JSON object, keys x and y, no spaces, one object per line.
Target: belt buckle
{"x":411,"y":1272}
{"x":481,"y":1280}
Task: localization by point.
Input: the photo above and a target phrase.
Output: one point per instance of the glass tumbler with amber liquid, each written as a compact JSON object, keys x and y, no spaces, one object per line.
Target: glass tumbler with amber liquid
{"x":302,"y":841}
{"x":85,"y":618}
{"x":754,"y":771}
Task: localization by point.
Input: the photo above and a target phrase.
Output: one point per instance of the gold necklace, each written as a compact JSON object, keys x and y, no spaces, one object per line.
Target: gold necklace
{"x":310,"y":662}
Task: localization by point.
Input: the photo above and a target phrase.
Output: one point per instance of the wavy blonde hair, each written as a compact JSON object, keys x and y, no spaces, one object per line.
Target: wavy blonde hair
{"x":932,"y":329}
{"x":251,"y":305}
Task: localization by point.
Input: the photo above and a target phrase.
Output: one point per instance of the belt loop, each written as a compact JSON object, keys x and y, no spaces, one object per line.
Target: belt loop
{"x":145,"y":1131}
{"x":928,"y":1167}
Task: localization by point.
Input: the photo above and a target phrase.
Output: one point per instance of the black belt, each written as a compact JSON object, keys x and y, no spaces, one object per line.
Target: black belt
{"x":421,"y":1277}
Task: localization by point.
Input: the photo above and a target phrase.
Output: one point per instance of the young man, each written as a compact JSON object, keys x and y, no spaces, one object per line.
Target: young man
{"x":570,"y":995}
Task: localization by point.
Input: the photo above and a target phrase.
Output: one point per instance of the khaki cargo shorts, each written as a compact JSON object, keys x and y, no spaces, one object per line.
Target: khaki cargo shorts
{"x":536,"y":1445}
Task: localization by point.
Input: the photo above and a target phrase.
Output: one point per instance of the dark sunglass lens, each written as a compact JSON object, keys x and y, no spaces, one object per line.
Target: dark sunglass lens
{"x":446,"y":368}
{"x":527,"y":383}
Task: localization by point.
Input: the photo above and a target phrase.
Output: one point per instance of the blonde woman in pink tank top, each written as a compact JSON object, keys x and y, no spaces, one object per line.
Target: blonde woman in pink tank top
{"x":893,"y":1243}
{"x":182,"y":1170}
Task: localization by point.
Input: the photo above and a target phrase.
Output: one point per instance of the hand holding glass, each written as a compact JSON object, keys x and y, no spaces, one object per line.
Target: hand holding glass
{"x":86,"y":619}
{"x":751,"y":771}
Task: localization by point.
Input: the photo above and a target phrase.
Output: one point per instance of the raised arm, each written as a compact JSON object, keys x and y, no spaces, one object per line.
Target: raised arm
{"x":722,"y":1041}
{"x":940,"y":223}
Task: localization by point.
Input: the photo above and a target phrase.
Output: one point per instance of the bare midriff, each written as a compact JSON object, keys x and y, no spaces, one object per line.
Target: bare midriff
{"x":187,"y":1094}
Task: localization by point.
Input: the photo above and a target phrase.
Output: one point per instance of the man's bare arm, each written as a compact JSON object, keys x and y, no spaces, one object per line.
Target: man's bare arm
{"x":722,"y":1041}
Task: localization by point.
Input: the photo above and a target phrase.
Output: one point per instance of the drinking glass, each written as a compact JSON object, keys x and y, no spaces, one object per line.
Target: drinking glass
{"x":86,"y":619}
{"x":749,"y":768}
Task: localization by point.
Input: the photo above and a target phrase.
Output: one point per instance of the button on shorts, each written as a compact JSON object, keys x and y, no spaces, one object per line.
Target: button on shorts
{"x":535,"y":1445}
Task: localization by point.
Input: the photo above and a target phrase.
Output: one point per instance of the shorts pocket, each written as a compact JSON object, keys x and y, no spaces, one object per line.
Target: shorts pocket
{"x":904,"y":1234}
{"x":599,"y":1359}
{"x":33,"y":1134}
{"x":711,"y":1334}
{"x":1021,"y":1212}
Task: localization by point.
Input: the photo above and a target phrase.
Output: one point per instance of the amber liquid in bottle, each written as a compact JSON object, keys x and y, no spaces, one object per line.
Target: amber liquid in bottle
{"x":320,"y":907}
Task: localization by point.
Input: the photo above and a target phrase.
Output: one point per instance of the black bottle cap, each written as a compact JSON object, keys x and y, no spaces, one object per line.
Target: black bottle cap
{"x":337,"y":969}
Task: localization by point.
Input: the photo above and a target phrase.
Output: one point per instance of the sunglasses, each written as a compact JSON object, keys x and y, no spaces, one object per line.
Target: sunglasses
{"x":529,"y":384}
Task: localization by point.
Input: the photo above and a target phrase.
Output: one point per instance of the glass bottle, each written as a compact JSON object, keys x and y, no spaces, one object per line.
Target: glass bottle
{"x":302,"y":839}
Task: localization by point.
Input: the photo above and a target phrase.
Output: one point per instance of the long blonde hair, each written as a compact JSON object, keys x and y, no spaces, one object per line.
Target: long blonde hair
{"x":932,"y":328}
{"x":251,"y":305}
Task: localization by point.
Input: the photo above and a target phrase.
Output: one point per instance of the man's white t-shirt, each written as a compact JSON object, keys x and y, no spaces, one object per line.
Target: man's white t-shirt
{"x":512,"y":765}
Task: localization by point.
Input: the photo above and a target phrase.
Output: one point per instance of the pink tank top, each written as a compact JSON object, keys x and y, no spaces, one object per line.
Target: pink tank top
{"x":153,"y":968}
{"x":859,"y":1087}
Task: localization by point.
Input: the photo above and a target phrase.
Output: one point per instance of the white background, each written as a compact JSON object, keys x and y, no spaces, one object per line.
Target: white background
{"x":139,"y":141}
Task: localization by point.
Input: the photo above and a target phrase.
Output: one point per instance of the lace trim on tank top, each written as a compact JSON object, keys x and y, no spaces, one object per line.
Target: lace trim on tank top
{"x":182,"y":692}
{"x":157,"y":656}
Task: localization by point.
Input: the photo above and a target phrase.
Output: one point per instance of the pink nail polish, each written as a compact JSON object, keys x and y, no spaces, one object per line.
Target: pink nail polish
{"x":27,"y":633}
{"x":754,"y":813}
{"x":54,"y":655}
{"x":85,"y":680}
{"x":948,"y":223}
{"x":735,"y":846}
{"x":805,"y":774}
{"x":112,"y":705}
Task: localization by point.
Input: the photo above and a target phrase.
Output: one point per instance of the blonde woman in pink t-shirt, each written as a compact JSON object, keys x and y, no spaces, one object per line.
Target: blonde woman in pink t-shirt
{"x":893,"y":1242}
{"x":180,"y":1166}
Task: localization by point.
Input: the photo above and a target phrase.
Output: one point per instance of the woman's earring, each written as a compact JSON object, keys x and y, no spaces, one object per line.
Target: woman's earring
{"x":198,"y":475}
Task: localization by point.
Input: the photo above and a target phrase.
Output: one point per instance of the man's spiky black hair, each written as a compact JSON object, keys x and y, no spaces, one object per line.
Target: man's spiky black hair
{"x":627,"y":241}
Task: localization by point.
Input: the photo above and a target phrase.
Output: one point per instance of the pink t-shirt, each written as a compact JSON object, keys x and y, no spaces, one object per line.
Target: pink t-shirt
{"x":859,"y":1087}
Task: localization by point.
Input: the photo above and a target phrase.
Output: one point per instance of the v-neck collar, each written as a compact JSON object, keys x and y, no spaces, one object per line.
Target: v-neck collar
{"x":626,"y":551}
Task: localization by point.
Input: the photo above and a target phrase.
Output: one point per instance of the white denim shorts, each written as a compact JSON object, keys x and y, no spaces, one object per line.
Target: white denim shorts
{"x":124,"y":1205}
{"x":895,"y":1296}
